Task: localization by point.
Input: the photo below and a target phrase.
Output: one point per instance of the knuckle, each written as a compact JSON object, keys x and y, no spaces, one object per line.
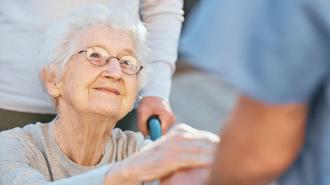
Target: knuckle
{"x":180,"y":127}
{"x":210,"y":137}
{"x":142,"y":109}
{"x":174,"y":141}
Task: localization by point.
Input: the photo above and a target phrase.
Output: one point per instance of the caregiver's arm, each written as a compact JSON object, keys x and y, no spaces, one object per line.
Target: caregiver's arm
{"x":259,"y":142}
{"x":163,"y":20}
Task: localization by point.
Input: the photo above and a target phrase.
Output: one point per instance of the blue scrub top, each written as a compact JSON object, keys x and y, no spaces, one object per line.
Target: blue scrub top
{"x":276,"y":51}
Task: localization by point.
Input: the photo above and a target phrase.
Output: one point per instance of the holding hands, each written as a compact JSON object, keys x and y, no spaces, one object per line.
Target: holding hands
{"x":182,"y":148}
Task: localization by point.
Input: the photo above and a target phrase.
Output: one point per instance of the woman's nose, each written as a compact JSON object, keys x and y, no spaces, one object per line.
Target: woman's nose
{"x":113,"y":69}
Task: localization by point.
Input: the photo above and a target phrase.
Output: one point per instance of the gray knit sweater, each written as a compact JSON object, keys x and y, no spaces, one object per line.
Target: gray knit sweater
{"x":30,"y":156}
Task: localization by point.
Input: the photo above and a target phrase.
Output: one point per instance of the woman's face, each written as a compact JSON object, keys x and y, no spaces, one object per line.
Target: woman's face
{"x":103,"y":90}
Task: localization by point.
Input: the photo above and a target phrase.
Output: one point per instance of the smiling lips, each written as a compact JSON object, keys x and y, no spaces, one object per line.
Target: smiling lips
{"x":108,"y":90}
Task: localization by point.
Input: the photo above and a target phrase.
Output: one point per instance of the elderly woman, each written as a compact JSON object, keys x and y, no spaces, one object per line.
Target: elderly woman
{"x":93,"y":72}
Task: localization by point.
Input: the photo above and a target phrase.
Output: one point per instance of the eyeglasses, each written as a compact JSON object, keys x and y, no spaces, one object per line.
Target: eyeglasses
{"x":99,"y":56}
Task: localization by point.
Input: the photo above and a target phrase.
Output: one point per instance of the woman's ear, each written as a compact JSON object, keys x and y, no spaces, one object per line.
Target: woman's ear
{"x":48,"y":77}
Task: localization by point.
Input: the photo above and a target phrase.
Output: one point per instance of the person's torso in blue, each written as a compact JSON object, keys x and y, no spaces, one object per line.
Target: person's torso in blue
{"x":273,"y":51}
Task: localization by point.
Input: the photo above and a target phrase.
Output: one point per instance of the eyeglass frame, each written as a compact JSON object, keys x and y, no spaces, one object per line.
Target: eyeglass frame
{"x":110,"y":57}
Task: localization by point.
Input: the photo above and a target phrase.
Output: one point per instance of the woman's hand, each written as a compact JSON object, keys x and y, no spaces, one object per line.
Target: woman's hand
{"x":194,"y":176}
{"x":183,"y":147}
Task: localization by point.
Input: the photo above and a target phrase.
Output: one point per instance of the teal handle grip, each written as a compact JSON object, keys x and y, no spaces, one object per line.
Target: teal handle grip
{"x":155,"y":129}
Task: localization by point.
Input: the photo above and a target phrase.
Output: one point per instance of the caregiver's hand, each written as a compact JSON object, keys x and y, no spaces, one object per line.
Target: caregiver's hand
{"x":151,"y":105}
{"x":183,"y":147}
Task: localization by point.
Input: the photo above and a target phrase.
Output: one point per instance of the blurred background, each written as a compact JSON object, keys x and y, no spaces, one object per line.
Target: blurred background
{"x":198,"y":98}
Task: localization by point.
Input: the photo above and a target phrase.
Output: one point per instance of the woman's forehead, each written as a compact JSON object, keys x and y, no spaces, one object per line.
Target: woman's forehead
{"x":112,"y":39}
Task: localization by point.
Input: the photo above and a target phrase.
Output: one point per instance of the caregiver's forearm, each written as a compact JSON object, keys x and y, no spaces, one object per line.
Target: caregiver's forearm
{"x":259,"y":142}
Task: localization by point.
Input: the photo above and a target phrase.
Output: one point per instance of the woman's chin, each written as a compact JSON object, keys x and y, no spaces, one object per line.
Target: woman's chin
{"x":107,"y":113}
{"x":107,"y":109}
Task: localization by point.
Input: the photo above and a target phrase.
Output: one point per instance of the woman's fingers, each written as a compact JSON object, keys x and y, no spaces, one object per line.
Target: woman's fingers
{"x":196,"y":176}
{"x":191,"y":161}
{"x":183,"y":147}
{"x":189,"y":132}
{"x":186,"y":146}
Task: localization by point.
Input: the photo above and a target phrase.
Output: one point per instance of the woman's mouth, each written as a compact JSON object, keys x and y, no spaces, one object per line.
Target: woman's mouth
{"x":108,"y":90}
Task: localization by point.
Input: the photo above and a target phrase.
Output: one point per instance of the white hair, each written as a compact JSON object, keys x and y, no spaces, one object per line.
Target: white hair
{"x":61,"y":41}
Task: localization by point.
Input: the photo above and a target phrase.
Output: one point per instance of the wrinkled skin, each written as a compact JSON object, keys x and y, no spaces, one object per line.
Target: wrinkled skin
{"x":182,"y":148}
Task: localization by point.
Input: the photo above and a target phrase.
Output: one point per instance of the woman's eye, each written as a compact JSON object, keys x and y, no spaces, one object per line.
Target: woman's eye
{"x":95,"y":55}
{"x":125,"y":62}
